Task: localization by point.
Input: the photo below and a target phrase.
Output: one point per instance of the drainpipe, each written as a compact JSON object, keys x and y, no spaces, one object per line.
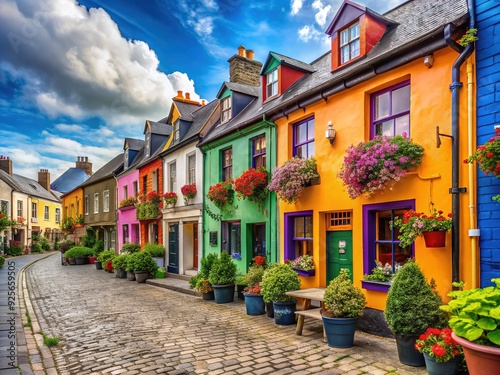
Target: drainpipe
{"x":455,"y":190}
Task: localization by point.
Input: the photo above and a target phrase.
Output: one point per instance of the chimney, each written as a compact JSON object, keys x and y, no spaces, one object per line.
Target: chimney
{"x":244,"y":69}
{"x":82,"y":162}
{"x":6,"y":164}
{"x":44,"y":179}
{"x":188,"y":96}
{"x":179,"y":94}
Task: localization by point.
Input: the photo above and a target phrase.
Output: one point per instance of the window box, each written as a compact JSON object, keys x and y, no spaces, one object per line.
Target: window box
{"x":236,"y":255}
{"x":305,"y":273}
{"x":378,"y":286}
{"x":126,"y":208}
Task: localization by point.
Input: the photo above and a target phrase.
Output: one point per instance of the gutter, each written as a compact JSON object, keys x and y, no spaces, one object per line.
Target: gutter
{"x":455,"y":190}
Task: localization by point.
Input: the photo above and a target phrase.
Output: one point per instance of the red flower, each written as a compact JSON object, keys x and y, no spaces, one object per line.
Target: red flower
{"x":189,"y":190}
{"x":252,"y":184}
{"x":438,"y":350}
{"x":438,"y":343}
{"x":260,"y":260}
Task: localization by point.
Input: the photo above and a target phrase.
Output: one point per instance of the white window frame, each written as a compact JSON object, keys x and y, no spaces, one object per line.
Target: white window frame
{"x":226,"y":109}
{"x":154,"y":180}
{"x":58,"y":215}
{"x":135,"y":185}
{"x":172,"y":176}
{"x":46,"y":213}
{"x":272,"y":83}
{"x":96,"y":203}
{"x":105,"y":201}
{"x":4,"y":207}
{"x":34,"y":210}
{"x":349,"y":43}
{"x":191,"y":168}
{"x":19,"y":208}
{"x":86,"y":203}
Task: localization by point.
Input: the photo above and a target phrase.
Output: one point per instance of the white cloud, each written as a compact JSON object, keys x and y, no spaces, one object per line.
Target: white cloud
{"x":295,"y":6}
{"x":322,"y":12}
{"x":69,"y":128}
{"x":306,"y":33}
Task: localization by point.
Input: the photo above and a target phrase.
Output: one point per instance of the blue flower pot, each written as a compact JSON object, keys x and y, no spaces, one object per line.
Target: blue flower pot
{"x":284,"y":313}
{"x":441,"y":368}
{"x":254,"y":304}
{"x":407,"y":353}
{"x":339,"y":331}
{"x":223,"y":293}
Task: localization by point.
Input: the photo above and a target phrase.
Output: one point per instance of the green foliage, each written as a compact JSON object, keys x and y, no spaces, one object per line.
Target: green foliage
{"x":5,"y":222}
{"x":120,"y":261}
{"x":78,"y":251}
{"x":45,"y":244}
{"x":240,"y":281}
{"x":67,"y":223}
{"x":155,"y":250}
{"x":89,"y":239}
{"x":205,"y":266}
{"x":223,"y":270}
{"x":98,"y":247}
{"x":276,"y":281}
{"x":475,"y":314}
{"x":15,"y":249}
{"x":469,"y":37}
{"x":412,"y":304}
{"x":56,"y":244}
{"x":254,"y":275}
{"x":130,"y":247}
{"x":50,"y":341}
{"x":203,"y":286}
{"x":36,"y":248}
{"x":342,"y":298}
{"x":65,"y":246}
{"x":142,"y":261}
{"x":80,"y":220}
{"x":106,"y":256}
{"x":2,"y":261}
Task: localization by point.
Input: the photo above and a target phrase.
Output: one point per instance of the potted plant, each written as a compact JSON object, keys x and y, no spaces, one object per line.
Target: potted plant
{"x":442,"y":354}
{"x":170,"y":198}
{"x":371,"y":166}
{"x":289,"y":180}
{"x":157,"y":251}
{"x":241,"y":284}
{"x":343,"y":305}
{"x":127,"y":202}
{"x":276,"y":281}
{"x":412,"y":306}
{"x":381,"y":273}
{"x":106,"y":258}
{"x":130,"y":247}
{"x":188,"y":191}
{"x":200,"y":281}
{"x":120,"y":264}
{"x":143,"y":266}
{"x":222,"y":277}
{"x":220,"y":194}
{"x":254,"y":301}
{"x":304,"y":265}
{"x":252,"y":185}
{"x":414,"y":224}
{"x":475,"y":321}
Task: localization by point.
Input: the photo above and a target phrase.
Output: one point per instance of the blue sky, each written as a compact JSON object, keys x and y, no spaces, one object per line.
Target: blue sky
{"x":77,"y":77}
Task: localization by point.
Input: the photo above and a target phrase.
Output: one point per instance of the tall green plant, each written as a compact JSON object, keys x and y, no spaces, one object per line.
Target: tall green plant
{"x":223,"y":270}
{"x":277,"y":280}
{"x":201,"y":278}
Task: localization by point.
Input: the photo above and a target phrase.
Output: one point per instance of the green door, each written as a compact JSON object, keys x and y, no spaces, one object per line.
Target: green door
{"x":173,"y":248}
{"x":339,"y":253}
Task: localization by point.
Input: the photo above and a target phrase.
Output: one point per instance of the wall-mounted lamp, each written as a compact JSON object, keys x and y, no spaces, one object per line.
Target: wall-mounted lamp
{"x":330,"y":133}
{"x":429,"y":61}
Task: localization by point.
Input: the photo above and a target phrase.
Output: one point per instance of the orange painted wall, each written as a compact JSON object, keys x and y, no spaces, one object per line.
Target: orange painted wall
{"x":350,"y":113}
{"x":76,"y":198}
{"x":147,"y":170}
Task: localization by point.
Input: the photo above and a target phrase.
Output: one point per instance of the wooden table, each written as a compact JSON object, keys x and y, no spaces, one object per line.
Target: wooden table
{"x":304,"y":305}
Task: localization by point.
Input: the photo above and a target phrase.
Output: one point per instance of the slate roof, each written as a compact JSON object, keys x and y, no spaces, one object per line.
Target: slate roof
{"x":241,"y":88}
{"x":108,"y":170}
{"x":69,"y":180}
{"x":285,"y":60}
{"x":32,"y":187}
{"x":416,"y":21}
{"x":134,"y":144}
{"x":158,"y":128}
{"x":7,"y":178}
{"x":186,"y":109}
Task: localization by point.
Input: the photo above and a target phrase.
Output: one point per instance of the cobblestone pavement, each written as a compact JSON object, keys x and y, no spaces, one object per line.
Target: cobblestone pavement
{"x":115,"y":326}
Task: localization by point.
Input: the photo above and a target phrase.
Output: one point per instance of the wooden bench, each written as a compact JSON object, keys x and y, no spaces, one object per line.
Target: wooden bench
{"x":310,"y":313}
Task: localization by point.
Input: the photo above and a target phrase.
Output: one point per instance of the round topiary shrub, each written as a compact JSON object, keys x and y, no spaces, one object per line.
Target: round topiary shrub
{"x":223,"y":271}
{"x":130,"y":247}
{"x":278,"y":280}
{"x":78,"y":252}
{"x":45,"y":244}
{"x":343,"y":299}
{"x":142,"y":262}
{"x":120,"y":261}
{"x":36,"y":248}
{"x":106,"y":256}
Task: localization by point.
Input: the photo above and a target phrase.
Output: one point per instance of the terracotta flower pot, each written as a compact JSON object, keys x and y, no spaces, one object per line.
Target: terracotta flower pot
{"x":481,"y":359}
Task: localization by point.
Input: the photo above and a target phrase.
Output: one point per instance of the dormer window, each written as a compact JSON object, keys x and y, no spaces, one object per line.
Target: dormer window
{"x":148,"y":137}
{"x":349,"y":43}
{"x":272,"y":83}
{"x":176,"y":131}
{"x":226,"y":109}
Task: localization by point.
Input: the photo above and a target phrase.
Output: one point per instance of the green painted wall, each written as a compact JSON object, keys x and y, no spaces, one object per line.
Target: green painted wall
{"x":246,"y":212}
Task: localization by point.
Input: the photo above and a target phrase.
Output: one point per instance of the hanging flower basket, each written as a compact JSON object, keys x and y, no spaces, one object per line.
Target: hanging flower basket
{"x":252,"y":185}
{"x":220,"y":194}
{"x":170,"y":198}
{"x":435,"y":238}
{"x":373,"y":166}
{"x":188,"y":191}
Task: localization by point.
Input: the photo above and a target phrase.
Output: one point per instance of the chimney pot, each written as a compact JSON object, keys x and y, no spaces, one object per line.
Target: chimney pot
{"x":249,"y":54}
{"x":241,"y":51}
{"x":179,"y":94}
{"x":188,"y":96}
{"x":203,"y":102}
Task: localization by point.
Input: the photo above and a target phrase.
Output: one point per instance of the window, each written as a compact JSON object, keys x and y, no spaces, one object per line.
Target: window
{"x":77,"y":207}
{"x":259,"y":152}
{"x":380,"y":240}
{"x":46,"y":213}
{"x":272,"y":83}
{"x":71,"y":209}
{"x":19,"y":208}
{"x":259,"y":239}
{"x":226,"y":109}
{"x":298,"y":234}
{"x":125,"y":233}
{"x":34,"y":211}
{"x":105,"y":201}
{"x":349,"y":43}
{"x":86,"y":204}
{"x":125,"y":192}
{"x":227,"y":165}
{"x":231,"y":241}
{"x":154,"y":180}
{"x":4,"y":207}
{"x":135,"y":187}
{"x":172,"y":176}
{"x":96,"y":203}
{"x":391,"y":111}
{"x":58,"y":215}
{"x":191,"y":166}
{"x":303,"y":139}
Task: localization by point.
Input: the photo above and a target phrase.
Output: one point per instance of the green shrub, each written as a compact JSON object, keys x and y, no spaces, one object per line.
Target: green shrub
{"x":106,"y":256}
{"x":142,"y":261}
{"x":98,"y":247}
{"x":56,"y":244}
{"x":412,"y":303}
{"x":36,"y":248}
{"x":278,"y":280}
{"x":66,"y":245}
{"x":155,"y":250}
{"x":78,"y":252}
{"x":2,"y":261}
{"x":202,"y":275}
{"x":45,"y":244}
{"x":15,"y":249}
{"x":120,"y":261}
{"x":254,"y":275}
{"x":223,"y":270}
{"x":130,"y":247}
{"x":89,"y":239}
{"x":343,"y":299}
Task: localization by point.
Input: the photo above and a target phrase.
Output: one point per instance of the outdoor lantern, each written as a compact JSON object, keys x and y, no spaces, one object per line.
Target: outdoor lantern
{"x":330,"y":133}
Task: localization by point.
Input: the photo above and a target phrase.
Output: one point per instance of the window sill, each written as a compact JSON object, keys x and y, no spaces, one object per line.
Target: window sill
{"x":378,"y":286}
{"x":304,"y":273}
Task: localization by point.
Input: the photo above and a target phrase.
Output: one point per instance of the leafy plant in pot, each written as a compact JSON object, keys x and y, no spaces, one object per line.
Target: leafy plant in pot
{"x":412,"y":306}
{"x":222,"y":277}
{"x":254,"y":302}
{"x":475,"y":321}
{"x":343,"y":305}
{"x":276,"y":281}
{"x":143,"y":266}
{"x":157,"y":251}
{"x":106,"y":258}
{"x":120,"y":264}
{"x":199,"y":282}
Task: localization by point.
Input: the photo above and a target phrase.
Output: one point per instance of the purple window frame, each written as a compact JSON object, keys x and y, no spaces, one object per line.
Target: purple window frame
{"x":295,"y":145}
{"x":369,"y":217}
{"x":288,"y":235}
{"x":391,"y":116}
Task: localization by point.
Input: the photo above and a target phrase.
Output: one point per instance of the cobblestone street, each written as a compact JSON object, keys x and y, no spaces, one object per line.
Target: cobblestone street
{"x":115,"y":326}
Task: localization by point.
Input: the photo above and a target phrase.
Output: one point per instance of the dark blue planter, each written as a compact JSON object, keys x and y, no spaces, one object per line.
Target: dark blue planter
{"x":223,"y":293}
{"x":441,"y":368}
{"x":254,"y":304}
{"x":284,"y":313}
{"x":407,"y":353}
{"x":305,"y":273}
{"x":339,"y":331}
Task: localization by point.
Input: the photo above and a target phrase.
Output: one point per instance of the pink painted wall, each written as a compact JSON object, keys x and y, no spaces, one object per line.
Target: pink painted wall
{"x":126,"y":216}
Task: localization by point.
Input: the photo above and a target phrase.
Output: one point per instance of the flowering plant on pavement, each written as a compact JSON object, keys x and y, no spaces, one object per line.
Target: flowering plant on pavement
{"x":288,"y":181}
{"x":439,"y":344}
{"x":413,"y":224}
{"x":370,"y":166}
{"x":252,"y":185}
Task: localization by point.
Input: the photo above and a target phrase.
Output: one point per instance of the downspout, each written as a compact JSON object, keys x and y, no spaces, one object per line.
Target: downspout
{"x":455,"y":190}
